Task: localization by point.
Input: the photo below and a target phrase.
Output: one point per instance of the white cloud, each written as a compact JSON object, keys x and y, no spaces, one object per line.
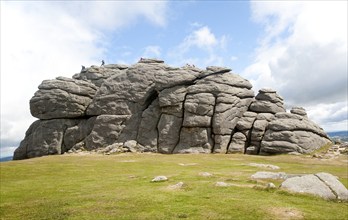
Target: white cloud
{"x":152,"y":51}
{"x":201,"y":47}
{"x":332,"y":117}
{"x":43,"y":40}
{"x":7,"y":151}
{"x":276,"y":17}
{"x":196,"y":24}
{"x":303,"y":52}
{"x":202,"y":38}
{"x":110,"y":15}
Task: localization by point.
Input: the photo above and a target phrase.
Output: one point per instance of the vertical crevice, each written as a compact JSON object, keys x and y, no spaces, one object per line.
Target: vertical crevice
{"x":158,"y":132}
{"x":63,"y":147}
{"x":248,"y":142}
{"x":212,"y":135}
{"x":259,"y":150}
{"x":182,"y":122}
{"x":149,"y":100}
{"x":235,"y":130}
{"x":148,"y":103}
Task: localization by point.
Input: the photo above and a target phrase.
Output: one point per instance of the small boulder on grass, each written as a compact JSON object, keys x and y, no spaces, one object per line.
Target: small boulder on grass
{"x":187,"y":164}
{"x":177,"y":186}
{"x":270,"y":186}
{"x":159,"y":179}
{"x":269,"y":175}
{"x":222,"y":184}
{"x":268,"y":166}
{"x":205,"y":174}
{"x":324,"y":185}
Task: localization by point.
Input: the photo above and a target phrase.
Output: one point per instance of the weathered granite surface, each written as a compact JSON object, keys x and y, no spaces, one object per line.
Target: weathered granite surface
{"x":324,"y":185}
{"x":159,"y":108}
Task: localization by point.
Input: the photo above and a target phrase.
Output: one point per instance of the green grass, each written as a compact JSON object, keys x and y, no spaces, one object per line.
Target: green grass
{"x":322,"y":149}
{"x":120,"y":187}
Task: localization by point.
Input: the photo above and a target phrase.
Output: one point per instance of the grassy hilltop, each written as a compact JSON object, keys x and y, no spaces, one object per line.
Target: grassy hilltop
{"x":120,"y":187}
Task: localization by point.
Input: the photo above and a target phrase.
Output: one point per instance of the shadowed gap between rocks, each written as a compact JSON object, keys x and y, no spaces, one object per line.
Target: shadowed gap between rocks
{"x":235,"y":130}
{"x":248,"y":141}
{"x":262,"y":136}
{"x":182,"y":116}
{"x":212,"y":122}
{"x":152,"y":97}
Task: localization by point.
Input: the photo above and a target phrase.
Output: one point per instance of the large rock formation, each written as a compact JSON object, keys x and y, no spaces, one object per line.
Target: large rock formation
{"x":164,"y":109}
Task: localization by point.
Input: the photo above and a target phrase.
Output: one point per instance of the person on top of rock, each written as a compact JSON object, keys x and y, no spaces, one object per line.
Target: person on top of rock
{"x":190,"y":65}
{"x":83,"y":69}
{"x":102,"y":64}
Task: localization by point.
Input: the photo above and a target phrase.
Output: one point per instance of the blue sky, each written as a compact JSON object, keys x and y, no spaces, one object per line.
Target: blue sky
{"x":298,"y":48}
{"x":236,"y":30}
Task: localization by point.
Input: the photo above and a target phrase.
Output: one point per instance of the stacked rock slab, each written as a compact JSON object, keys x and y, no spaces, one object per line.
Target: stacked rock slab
{"x":62,"y":98}
{"x":159,"y":108}
{"x":290,"y":132}
{"x":250,"y":129}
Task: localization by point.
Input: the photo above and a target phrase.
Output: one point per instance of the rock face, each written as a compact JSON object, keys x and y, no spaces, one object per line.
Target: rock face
{"x":62,"y":98}
{"x":159,"y":108}
{"x":269,"y":175}
{"x":292,"y":133}
{"x":324,"y":185}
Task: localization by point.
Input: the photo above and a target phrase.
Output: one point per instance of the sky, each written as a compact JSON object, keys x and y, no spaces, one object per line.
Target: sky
{"x":298,"y":48}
